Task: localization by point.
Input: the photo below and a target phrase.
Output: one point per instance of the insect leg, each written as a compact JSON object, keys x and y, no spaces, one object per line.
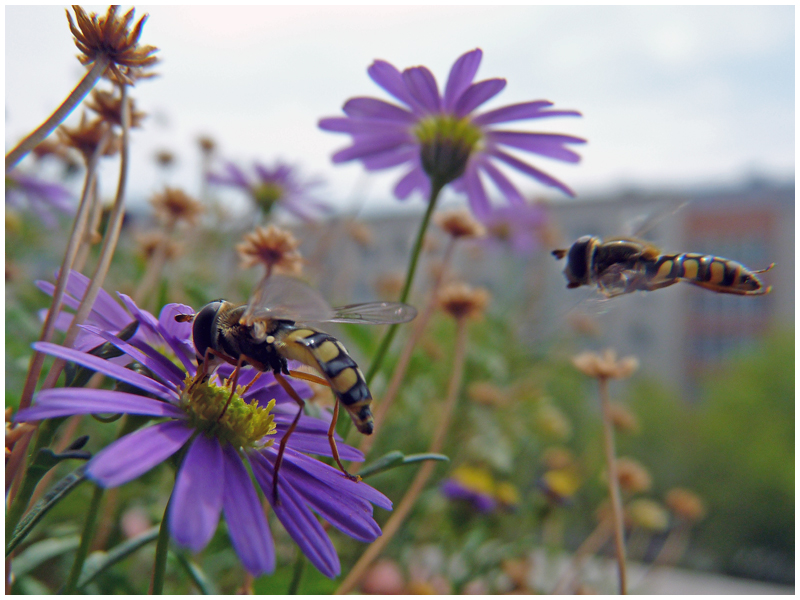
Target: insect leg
{"x":332,"y":442}
{"x":765,"y":270}
{"x":282,"y":448}
{"x":233,"y":379}
{"x":309,"y":377}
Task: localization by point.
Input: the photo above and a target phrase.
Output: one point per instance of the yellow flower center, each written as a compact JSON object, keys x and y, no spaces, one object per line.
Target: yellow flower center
{"x":243,"y":424}
{"x":267,"y":194}
{"x":447,"y":143}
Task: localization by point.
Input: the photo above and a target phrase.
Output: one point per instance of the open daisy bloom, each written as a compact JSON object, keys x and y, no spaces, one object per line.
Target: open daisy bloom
{"x":440,"y":137}
{"x":216,"y":448}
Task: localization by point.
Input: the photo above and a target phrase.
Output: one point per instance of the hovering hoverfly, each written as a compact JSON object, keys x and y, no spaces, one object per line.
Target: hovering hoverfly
{"x":625,"y":265}
{"x":271,"y":329}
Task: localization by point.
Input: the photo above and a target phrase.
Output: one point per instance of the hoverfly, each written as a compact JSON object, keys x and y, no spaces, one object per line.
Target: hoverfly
{"x":624,"y":265}
{"x":271,"y":329}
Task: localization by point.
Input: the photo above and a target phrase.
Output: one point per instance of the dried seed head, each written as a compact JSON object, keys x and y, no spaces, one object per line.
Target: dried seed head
{"x":165,"y":159}
{"x":685,"y":504}
{"x":605,"y":366}
{"x":583,"y":324}
{"x":487,"y":393}
{"x":148,"y":243}
{"x":174,"y":205}
{"x":623,"y":419}
{"x":361,"y":234}
{"x":273,"y":247}
{"x":462,"y":301}
{"x":110,"y":36}
{"x":460,"y":223}
{"x":389,"y":285}
{"x":86,"y":137}
{"x":648,"y":514}
{"x":557,"y":457}
{"x":109,"y":107}
{"x":207,"y":144}
{"x":633,"y":477}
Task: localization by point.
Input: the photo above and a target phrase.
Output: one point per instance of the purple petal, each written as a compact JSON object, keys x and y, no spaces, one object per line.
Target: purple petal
{"x":105,"y":307}
{"x":137,"y":453}
{"x":391,"y":158}
{"x":318,"y":444}
{"x":373,"y":108}
{"x":513,"y":112}
{"x":422,"y":86}
{"x":476,"y":194}
{"x":540,"y":176}
{"x":477,"y":94}
{"x":368,"y":145}
{"x":503,"y":183}
{"x":234,"y":176}
{"x":415,"y":179}
{"x":197,"y":498}
{"x":62,"y":402}
{"x":296,"y":518}
{"x":461,"y":76}
{"x":363,"y":126}
{"x":389,"y":78}
{"x":179,"y":330}
{"x":107,"y":368}
{"x":247,"y":525}
{"x":545,"y":144}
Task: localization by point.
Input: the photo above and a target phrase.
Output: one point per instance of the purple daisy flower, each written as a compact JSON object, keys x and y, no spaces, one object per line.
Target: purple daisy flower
{"x":456,"y":490}
{"x":213,"y":478}
{"x":441,"y":139}
{"x":43,"y":197}
{"x":277,"y":185}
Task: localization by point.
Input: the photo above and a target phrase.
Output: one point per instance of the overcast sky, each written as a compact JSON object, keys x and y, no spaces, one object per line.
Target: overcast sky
{"x":671,"y":96}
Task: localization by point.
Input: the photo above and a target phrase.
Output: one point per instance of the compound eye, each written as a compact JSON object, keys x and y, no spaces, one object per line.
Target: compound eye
{"x":203,"y":327}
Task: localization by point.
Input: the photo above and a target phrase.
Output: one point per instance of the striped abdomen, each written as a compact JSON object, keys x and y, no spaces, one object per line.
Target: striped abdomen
{"x":326,"y":354}
{"x":711,"y":272}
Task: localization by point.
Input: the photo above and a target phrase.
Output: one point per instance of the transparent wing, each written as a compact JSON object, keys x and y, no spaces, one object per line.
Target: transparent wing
{"x":640,"y":225}
{"x":283,"y":297}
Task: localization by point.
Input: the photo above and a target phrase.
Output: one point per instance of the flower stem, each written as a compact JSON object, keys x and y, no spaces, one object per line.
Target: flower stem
{"x":613,"y":482}
{"x":86,"y":541}
{"x":589,"y":546}
{"x":76,"y":96}
{"x":160,"y":563}
{"x":155,"y":265}
{"x":426,"y":470}
{"x":297,"y":573}
{"x":412,"y":267}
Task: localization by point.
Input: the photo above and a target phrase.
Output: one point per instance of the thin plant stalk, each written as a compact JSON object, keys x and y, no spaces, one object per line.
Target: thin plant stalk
{"x":160,"y":564}
{"x":613,"y":482}
{"x":426,"y":470}
{"x":86,"y":540}
{"x":377,"y":360}
{"x":590,"y":546}
{"x":382,"y":408}
{"x":92,"y":234}
{"x":109,"y":245}
{"x":155,"y":265}
{"x":84,"y":86}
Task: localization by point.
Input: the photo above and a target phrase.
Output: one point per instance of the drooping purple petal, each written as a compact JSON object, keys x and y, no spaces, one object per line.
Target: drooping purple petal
{"x":391,"y":80}
{"x":63,"y":402}
{"x":461,"y":75}
{"x":137,"y":453}
{"x":391,"y":158}
{"x":373,"y":108}
{"x":196,"y":501}
{"x":512,"y":112}
{"x":477,"y":94}
{"x":362,"y":126}
{"x":540,"y":176}
{"x":545,"y":144}
{"x":180,"y":330}
{"x":509,"y":190}
{"x":296,"y":517}
{"x":367,"y":145}
{"x":247,"y":525}
{"x":107,"y":368}
{"x":105,"y":307}
{"x":478,"y":200}
{"x":422,"y":86}
{"x":415,"y":179}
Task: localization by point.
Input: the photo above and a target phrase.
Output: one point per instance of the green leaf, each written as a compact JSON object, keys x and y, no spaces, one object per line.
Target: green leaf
{"x":40,"y":552}
{"x":395,"y":458}
{"x":197,"y":575}
{"x":100,"y":561}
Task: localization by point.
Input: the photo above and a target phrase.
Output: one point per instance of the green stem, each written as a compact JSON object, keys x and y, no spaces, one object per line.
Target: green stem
{"x":86,"y":540}
{"x":297,"y":573}
{"x":160,"y":564}
{"x":76,"y":96}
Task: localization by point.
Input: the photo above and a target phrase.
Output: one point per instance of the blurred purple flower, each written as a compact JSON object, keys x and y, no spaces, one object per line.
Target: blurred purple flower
{"x":277,"y":185}
{"x":518,"y":226}
{"x":213,"y":476}
{"x":440,"y":139}
{"x":456,"y":490}
{"x":42,"y":196}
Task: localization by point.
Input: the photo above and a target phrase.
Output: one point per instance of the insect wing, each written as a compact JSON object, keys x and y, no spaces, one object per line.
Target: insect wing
{"x":375,"y":313}
{"x":283,"y":297}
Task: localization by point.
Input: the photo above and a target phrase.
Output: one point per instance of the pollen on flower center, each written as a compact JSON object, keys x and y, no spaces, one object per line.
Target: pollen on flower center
{"x":243,"y":424}
{"x":446,"y":144}
{"x":267,"y":194}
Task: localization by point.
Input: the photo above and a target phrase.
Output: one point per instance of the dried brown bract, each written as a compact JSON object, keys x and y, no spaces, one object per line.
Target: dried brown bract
{"x":389,"y":285}
{"x":685,"y":504}
{"x":150,"y":241}
{"x":165,"y":159}
{"x":86,"y":137}
{"x":605,"y":365}
{"x":207,"y":144}
{"x":111,"y":36}
{"x":462,"y":301}
{"x":460,"y":223}
{"x":633,"y":477}
{"x":622,"y":418}
{"x":273,"y":247}
{"x":174,"y":205}
{"x":109,"y":107}
{"x":361,"y":234}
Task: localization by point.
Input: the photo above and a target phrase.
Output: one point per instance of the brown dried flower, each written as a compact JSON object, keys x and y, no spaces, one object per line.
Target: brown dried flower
{"x":557,"y":458}
{"x":109,"y":107}
{"x":633,"y":477}
{"x":460,"y":223}
{"x":605,"y":366}
{"x":86,"y":137}
{"x":389,"y":285}
{"x":165,"y":158}
{"x":685,"y":504}
{"x":622,"y":418}
{"x":207,"y":144}
{"x":149,"y":241}
{"x":273,"y":247}
{"x":174,"y":205}
{"x":486,"y":393}
{"x":361,"y":234}
{"x":462,"y":301}
{"x":110,"y":36}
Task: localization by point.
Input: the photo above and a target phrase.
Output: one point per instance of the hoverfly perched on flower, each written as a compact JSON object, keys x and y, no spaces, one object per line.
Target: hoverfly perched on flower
{"x":271,"y":329}
{"x":625,"y":265}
